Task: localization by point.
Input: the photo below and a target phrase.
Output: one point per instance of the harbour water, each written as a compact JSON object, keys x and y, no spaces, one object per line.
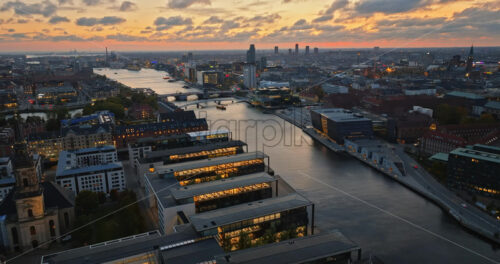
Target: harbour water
{"x":380,"y":215}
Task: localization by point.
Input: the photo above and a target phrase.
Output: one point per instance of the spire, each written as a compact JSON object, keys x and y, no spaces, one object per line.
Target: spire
{"x":471,"y":51}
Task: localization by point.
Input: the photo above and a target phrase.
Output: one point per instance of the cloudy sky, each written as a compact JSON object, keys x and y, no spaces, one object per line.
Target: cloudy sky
{"x":53,"y":25}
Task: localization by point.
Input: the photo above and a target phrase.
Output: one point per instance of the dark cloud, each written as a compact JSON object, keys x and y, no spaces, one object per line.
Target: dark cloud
{"x":128,"y":6}
{"x":163,"y":23}
{"x":63,"y":2}
{"x":91,"y":2}
{"x":92,"y":21}
{"x":58,"y":19}
{"x":11,"y":30}
{"x":178,"y":4}
{"x":323,"y":18}
{"x":338,"y":4}
{"x":22,"y":21}
{"x":264,"y":18}
{"x":45,"y":8}
{"x":213,"y":20}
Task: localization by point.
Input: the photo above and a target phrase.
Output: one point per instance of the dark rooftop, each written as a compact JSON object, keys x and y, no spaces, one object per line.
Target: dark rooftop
{"x":297,"y":250}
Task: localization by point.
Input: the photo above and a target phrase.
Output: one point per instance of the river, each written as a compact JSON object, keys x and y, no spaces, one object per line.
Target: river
{"x":381,"y":216}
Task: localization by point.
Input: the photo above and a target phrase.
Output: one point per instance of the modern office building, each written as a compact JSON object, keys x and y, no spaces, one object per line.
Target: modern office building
{"x":257,"y":223}
{"x":276,"y":50}
{"x":172,"y":203}
{"x":90,"y":170}
{"x":209,"y":79}
{"x":296,"y":48}
{"x":151,"y":247}
{"x":316,"y":50}
{"x":339,"y":124}
{"x":307,"y":50}
{"x":154,"y":159}
{"x":474,"y":169}
{"x":139,"y":149}
{"x":249,"y":76}
{"x":327,"y":247}
{"x":193,"y":172}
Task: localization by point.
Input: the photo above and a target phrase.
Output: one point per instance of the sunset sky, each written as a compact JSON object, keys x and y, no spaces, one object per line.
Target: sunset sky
{"x":91,"y":25}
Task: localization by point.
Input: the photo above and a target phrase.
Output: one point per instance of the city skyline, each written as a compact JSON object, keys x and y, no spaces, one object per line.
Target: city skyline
{"x":91,"y":25}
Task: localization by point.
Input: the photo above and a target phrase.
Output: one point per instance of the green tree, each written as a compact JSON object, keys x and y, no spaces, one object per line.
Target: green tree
{"x":53,"y":124}
{"x":86,"y":203}
{"x":318,"y":92}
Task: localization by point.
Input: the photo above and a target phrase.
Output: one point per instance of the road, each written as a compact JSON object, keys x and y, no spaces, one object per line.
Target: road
{"x":469,"y":215}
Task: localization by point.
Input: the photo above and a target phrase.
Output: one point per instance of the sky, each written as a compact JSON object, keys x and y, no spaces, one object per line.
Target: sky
{"x":168,"y":25}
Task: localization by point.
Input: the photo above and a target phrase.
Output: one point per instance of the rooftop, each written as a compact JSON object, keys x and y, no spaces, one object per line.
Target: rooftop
{"x":471,"y":96}
{"x":476,"y":154}
{"x":64,"y":171}
{"x":298,"y":250}
{"x":93,"y":150}
{"x":493,"y":105}
{"x":232,"y":214}
{"x":161,"y":154}
{"x":220,"y":185}
{"x":179,"y":248}
{"x":440,"y":157}
{"x":211,"y":162}
{"x":341,"y":115}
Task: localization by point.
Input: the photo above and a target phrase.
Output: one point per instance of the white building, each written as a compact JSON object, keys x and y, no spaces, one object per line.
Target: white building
{"x":7,"y":179}
{"x":249,"y":78}
{"x":420,"y":91}
{"x":94,"y":169}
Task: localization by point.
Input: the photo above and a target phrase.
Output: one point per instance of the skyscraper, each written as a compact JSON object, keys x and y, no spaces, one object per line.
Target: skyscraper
{"x":276,"y":51}
{"x":249,"y":78}
{"x":289,"y":51}
{"x":307,"y":50}
{"x":316,"y":50}
{"x":251,"y":54}
{"x":296,"y":49}
{"x":470,"y":60}
{"x":190,"y":57}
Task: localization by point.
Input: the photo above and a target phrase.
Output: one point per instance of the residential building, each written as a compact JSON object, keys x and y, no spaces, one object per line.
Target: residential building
{"x":33,"y":212}
{"x":54,"y":94}
{"x":95,"y":169}
{"x":127,"y":134}
{"x":7,"y":179}
{"x":70,"y":138}
{"x":474,"y":169}
{"x":339,"y":124}
{"x":434,"y":142}
{"x":249,"y":76}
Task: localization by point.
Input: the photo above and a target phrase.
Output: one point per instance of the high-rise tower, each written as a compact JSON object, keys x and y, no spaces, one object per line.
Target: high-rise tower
{"x":470,"y":60}
{"x":251,"y":54}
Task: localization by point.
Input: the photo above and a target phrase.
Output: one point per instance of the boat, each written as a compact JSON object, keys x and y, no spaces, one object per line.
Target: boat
{"x":166,"y":78}
{"x":171,"y":80}
{"x":185,"y":87}
{"x":221,"y":107}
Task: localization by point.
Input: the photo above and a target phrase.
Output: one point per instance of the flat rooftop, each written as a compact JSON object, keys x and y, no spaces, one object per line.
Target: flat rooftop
{"x":211,"y":162}
{"x":189,"y":191}
{"x":94,"y":150}
{"x":232,"y":214}
{"x":297,"y":250}
{"x":341,"y":115}
{"x":62,"y":171}
{"x":179,"y":248}
{"x":476,"y":154}
{"x":155,"y":156}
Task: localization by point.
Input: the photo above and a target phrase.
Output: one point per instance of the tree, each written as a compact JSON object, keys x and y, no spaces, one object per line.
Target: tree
{"x":53,"y":124}
{"x":86,"y":203}
{"x":114,"y":195}
{"x":102,"y":197}
{"x":318,"y":92}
